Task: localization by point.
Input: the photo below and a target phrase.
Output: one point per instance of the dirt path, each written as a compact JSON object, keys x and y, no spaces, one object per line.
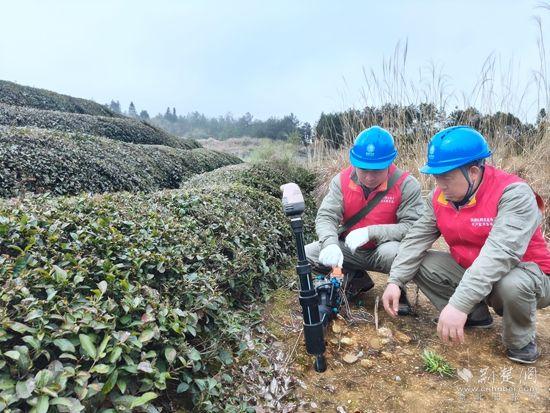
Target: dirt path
{"x":388,"y":375}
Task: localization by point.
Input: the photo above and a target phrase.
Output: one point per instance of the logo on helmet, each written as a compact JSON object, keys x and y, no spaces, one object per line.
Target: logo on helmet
{"x":431,"y":151}
{"x":370,"y":149}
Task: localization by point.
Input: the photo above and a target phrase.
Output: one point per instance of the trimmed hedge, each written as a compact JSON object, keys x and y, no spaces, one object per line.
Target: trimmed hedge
{"x":39,"y":160}
{"x":121,"y":129}
{"x":18,"y":95}
{"x":112,"y":302}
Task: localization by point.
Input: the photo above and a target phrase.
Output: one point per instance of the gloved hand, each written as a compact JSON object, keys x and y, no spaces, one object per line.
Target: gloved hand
{"x":356,"y":238}
{"x":331,"y":256}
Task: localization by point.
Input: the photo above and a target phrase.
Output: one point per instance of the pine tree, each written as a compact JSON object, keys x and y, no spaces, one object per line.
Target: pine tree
{"x":132,"y":110}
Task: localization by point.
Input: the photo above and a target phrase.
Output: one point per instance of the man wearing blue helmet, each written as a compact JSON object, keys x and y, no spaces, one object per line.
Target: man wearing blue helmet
{"x":369,"y":208}
{"x":497,"y":254}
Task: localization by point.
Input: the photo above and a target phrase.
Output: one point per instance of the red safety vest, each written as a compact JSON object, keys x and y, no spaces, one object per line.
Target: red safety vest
{"x":466,"y":229}
{"x":385,"y":212}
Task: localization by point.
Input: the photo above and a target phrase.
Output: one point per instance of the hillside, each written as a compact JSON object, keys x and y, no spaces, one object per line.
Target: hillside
{"x":14,"y":94}
{"x":64,"y":145}
{"x":120,"y":129}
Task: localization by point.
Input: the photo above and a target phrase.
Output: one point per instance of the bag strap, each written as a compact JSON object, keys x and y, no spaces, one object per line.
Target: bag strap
{"x":371,"y":204}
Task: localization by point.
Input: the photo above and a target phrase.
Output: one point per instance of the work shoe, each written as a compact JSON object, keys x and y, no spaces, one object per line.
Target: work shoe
{"x":358,"y":282}
{"x":480,"y":317}
{"x":404,"y":305}
{"x":526,"y":355}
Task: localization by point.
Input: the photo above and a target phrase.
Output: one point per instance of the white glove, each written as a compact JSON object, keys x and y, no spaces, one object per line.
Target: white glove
{"x":356,"y":238}
{"x":331,"y":256}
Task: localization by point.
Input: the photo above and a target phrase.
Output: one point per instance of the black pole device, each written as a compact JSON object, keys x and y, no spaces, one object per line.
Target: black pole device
{"x":294,"y":206}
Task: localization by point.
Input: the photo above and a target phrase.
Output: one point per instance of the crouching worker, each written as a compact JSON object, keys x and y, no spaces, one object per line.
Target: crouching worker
{"x":369,"y":208}
{"x":498,"y":256}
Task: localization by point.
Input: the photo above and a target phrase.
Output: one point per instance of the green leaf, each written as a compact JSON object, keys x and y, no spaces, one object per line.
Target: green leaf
{"x":60,"y":274}
{"x":64,"y":345}
{"x":6,"y":383}
{"x":170,"y":354}
{"x":121,"y":384}
{"x":24,"y":389}
{"x":31,"y":341}
{"x":34,"y":314}
{"x":225,"y":357}
{"x":21,"y":328}
{"x":43,"y":378}
{"x":103,"y":346}
{"x":12,"y":354}
{"x":68,"y":404}
{"x":100,"y":368}
{"x":143,"y":399}
{"x":42,"y":405}
{"x":110,"y":383}
{"x":115,"y":354}
{"x":87,"y":345}
{"x":194,"y":354}
{"x":182,"y":387}
{"x":102,"y":285}
{"x":145,"y":366}
{"x":146,"y":335}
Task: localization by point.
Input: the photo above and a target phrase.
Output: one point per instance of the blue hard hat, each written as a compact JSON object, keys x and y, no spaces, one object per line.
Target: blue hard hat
{"x":373,"y":149}
{"x":454,"y":147}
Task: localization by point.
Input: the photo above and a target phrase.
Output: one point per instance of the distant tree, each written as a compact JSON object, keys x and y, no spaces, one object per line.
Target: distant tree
{"x":542,"y":116}
{"x":144,"y":115}
{"x":132,"y":110}
{"x":115,"y":106}
{"x":330,"y":128}
{"x":306,"y":133}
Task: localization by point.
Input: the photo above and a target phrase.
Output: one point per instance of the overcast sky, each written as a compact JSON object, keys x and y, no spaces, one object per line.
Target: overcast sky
{"x":266,"y":58}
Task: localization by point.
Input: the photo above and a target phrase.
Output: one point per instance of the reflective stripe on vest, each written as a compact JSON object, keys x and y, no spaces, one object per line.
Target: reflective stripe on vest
{"x":466,"y":230}
{"x":354,"y":200}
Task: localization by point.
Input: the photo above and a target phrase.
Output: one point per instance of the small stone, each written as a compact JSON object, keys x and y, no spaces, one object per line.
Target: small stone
{"x":407,"y":352}
{"x":464,"y":374}
{"x":376,"y":343}
{"x":336,"y":328}
{"x":366,"y":363}
{"x":347,"y":341}
{"x":334,"y":341}
{"x":387,"y":355}
{"x":313,"y":405}
{"x":399,"y":336}
{"x":350,"y":358}
{"x":397,"y":378}
{"x":384,"y":332}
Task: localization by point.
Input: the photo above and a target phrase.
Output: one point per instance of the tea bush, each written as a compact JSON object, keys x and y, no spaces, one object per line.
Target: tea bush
{"x":121,"y":129}
{"x":39,"y":160}
{"x":112,"y":302}
{"x":18,"y":95}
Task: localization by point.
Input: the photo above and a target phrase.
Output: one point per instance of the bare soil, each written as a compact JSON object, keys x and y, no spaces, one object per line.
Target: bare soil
{"x":389,"y":376}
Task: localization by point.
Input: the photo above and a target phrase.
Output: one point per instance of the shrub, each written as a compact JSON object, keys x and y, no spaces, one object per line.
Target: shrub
{"x":111,"y":302}
{"x":121,"y":129}
{"x":14,"y":94}
{"x":37,"y":160}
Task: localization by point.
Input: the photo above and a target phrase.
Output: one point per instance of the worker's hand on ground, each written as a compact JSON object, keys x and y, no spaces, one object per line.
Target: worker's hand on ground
{"x":356,"y":238}
{"x":390,"y":299}
{"x":331,"y":256}
{"x":450,"y":327}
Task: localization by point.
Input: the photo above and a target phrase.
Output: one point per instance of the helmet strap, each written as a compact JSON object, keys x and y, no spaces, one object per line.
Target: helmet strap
{"x":464,"y":169}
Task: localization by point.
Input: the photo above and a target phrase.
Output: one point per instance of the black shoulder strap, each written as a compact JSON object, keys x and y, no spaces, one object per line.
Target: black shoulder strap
{"x":372,"y":203}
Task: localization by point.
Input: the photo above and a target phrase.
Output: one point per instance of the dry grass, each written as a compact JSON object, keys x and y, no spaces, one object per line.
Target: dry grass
{"x":525,"y":152}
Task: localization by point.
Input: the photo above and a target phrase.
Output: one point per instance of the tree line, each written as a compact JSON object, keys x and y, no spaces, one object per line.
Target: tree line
{"x":197,"y":125}
{"x":339,"y":128}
